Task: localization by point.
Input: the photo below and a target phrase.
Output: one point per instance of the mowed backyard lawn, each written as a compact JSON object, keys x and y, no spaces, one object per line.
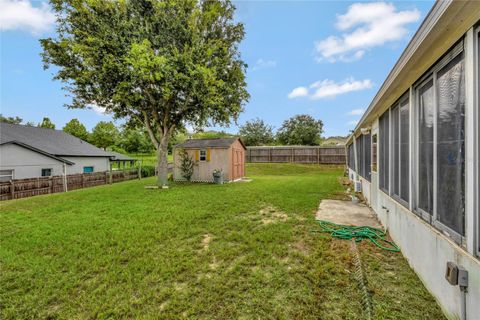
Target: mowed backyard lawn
{"x":249,"y":250}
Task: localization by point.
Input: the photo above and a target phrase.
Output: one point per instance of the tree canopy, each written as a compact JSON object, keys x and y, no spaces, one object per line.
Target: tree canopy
{"x":12,"y":120}
{"x":76,"y":128}
{"x":104,"y":134}
{"x":46,"y":123}
{"x":157,"y":64}
{"x":300,"y":130}
{"x":256,"y":133}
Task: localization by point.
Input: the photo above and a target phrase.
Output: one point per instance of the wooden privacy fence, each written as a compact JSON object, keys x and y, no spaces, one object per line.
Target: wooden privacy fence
{"x":297,"y":154}
{"x":23,"y":188}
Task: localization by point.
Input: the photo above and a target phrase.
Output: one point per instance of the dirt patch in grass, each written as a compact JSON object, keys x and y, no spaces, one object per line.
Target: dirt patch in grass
{"x":207,"y":238}
{"x":270,"y":214}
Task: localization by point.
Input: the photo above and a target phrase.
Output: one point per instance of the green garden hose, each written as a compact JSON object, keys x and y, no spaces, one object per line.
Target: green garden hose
{"x":376,"y":235}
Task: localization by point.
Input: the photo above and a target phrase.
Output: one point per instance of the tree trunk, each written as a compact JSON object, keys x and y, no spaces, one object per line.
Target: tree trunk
{"x":162,"y":162}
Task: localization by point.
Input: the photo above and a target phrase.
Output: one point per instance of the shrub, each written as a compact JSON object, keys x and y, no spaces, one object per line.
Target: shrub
{"x":148,"y":171}
{"x":186,"y":164}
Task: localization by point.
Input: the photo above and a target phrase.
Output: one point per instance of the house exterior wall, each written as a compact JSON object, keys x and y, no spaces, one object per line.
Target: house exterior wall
{"x":203,"y":170}
{"x":99,"y":164}
{"x":427,"y":246}
{"x":27,"y":163}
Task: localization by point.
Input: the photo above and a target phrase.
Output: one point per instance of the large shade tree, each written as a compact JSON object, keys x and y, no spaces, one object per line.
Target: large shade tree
{"x":157,"y":64}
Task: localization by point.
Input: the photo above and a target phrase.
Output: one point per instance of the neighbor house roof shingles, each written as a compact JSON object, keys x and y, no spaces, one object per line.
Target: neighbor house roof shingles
{"x":54,"y":142}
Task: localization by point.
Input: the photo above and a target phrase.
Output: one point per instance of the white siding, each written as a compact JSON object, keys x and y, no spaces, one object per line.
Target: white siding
{"x":27,"y":163}
{"x":99,"y":164}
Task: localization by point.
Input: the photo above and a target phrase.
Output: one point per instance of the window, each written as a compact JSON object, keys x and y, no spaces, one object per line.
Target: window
{"x":203,"y":155}
{"x":351,"y":157}
{"x":88,"y":169}
{"x":395,"y":114}
{"x":6,"y":175}
{"x":367,"y":156}
{"x":441,"y":145}
{"x":363,"y":144}
{"x":425,"y":147}
{"x":374,"y":153}
{"x":405,"y":150}
{"x":400,"y":150}
{"x":383,"y":150}
{"x":450,"y":88}
{"x":46,"y":172}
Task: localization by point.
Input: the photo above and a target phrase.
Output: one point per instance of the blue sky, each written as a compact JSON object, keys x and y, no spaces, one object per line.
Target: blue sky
{"x":323,"y":58}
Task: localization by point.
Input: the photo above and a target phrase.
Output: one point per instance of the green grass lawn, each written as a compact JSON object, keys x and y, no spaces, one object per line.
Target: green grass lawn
{"x":247,"y":250}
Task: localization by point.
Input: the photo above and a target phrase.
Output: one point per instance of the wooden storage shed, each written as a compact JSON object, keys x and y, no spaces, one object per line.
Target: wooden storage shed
{"x":226,"y":154}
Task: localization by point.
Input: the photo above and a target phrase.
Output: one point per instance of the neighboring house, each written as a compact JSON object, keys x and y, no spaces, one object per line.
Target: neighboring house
{"x":415,"y":153}
{"x":226,"y":154}
{"x":30,"y":152}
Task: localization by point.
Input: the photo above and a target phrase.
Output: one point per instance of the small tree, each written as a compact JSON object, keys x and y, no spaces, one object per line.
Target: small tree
{"x":76,"y":128}
{"x":46,"y":123}
{"x":104,"y":134}
{"x":256,"y":133}
{"x":300,"y":130}
{"x":187,"y":164}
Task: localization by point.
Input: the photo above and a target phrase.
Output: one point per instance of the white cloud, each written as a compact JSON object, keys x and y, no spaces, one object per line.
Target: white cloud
{"x":352,"y":123}
{"x":330,"y":89}
{"x":298,"y":92}
{"x":365,"y":25}
{"x":264,"y":64}
{"x":97,"y":109}
{"x":20,"y":14}
{"x":356,"y":112}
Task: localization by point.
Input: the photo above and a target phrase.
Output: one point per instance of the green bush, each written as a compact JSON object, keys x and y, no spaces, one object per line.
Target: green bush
{"x":148,"y":171}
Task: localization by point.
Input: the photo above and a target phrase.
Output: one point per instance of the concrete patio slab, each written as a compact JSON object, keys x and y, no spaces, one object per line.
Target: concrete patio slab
{"x":347,"y":213}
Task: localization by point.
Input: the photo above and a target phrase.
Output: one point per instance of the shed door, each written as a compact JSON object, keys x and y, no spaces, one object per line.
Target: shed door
{"x":237,"y":169}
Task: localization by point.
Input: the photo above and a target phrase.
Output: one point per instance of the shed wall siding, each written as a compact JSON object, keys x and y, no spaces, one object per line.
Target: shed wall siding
{"x":27,"y":163}
{"x":203,"y":170}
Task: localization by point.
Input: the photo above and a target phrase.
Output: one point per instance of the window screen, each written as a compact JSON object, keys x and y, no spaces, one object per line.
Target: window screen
{"x":450,"y":87}
{"x":367,"y":156}
{"x":395,"y":114}
{"x":404,"y":150}
{"x":383,"y":151}
{"x":46,"y":172}
{"x":351,"y":157}
{"x":374,"y":153}
{"x":425,"y":147}
{"x":358,"y":145}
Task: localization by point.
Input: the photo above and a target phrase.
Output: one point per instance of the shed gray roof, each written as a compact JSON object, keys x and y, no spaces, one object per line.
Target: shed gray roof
{"x":54,"y":142}
{"x":209,"y":143}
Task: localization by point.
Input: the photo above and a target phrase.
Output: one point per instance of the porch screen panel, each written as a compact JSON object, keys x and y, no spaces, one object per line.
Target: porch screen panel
{"x":425,"y":147}
{"x":451,"y":145}
{"x":404,"y":151}
{"x":383,"y":151}
{"x":358,"y":145}
{"x":351,"y":157}
{"x":367,"y":152}
{"x":395,"y":150}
